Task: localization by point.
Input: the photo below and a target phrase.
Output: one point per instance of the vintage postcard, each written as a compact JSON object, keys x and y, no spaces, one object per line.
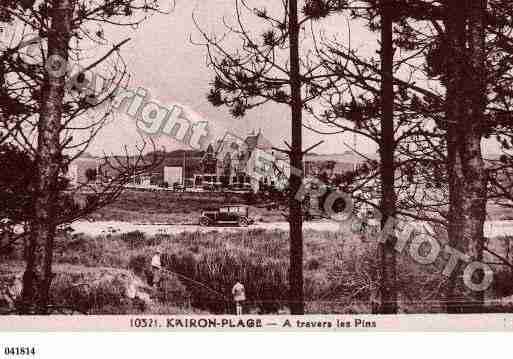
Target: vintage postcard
{"x":256,"y":165}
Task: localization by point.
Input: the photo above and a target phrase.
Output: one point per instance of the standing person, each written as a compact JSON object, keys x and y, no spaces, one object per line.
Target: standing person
{"x":156,"y":266}
{"x":239,"y":296}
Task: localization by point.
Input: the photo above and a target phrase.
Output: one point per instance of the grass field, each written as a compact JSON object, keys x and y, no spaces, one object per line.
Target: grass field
{"x":99,"y":275}
{"x":185,"y":208}
{"x":340,"y":273}
{"x":177,"y":208}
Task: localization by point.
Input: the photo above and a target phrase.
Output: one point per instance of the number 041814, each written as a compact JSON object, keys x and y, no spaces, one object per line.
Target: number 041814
{"x":19,"y":351}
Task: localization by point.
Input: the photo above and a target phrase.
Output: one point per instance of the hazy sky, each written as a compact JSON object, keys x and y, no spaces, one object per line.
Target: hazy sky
{"x":162,"y":59}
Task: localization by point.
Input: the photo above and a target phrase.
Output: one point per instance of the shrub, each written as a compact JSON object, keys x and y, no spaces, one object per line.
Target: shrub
{"x":134,"y":239}
{"x":92,"y":294}
{"x":172,"y":291}
{"x":91,"y":252}
{"x":10,"y":250}
{"x":139,"y":264}
{"x":312,"y":264}
{"x":502,"y":285}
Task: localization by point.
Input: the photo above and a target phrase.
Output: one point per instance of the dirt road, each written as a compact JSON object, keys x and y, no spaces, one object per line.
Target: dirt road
{"x":492,"y":228}
{"x":114,"y":227}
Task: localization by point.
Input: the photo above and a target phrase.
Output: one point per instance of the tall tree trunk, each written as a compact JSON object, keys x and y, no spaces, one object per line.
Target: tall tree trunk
{"x":3,"y":108}
{"x":38,"y":273}
{"x":297,"y":305}
{"x":466,"y":100}
{"x":387,"y":269}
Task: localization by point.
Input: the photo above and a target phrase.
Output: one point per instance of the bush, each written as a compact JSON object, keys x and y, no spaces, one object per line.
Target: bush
{"x":502,"y":285}
{"x":312,"y":264}
{"x":92,"y":293}
{"x":172,"y":291}
{"x":91,"y":252}
{"x":139,"y":264}
{"x":10,"y":250}
{"x":134,"y":239}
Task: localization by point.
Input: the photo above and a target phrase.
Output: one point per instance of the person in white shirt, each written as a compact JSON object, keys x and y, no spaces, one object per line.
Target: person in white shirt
{"x":156,"y":267}
{"x":239,"y":296}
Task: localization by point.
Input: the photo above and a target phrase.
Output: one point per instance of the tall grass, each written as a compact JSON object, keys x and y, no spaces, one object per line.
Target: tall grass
{"x":265,"y":279}
{"x":341,"y":272}
{"x":87,"y":295}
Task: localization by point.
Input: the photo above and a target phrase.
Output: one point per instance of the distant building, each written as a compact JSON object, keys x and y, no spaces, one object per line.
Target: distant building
{"x":173,"y":175}
{"x":239,"y":163}
{"x":332,"y":164}
{"x":243,"y":163}
{"x":83,"y":170}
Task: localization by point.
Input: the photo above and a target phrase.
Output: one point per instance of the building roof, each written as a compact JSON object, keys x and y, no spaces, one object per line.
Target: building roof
{"x":258,"y":141}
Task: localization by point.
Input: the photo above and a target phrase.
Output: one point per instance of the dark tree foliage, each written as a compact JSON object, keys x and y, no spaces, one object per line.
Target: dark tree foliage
{"x":16,"y":183}
{"x":42,"y":112}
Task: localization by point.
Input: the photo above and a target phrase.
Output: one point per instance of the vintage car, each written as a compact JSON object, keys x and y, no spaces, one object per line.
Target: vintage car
{"x":230,"y":214}
{"x":178,"y":187}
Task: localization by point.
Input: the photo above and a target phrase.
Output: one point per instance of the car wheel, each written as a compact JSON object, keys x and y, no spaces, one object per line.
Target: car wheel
{"x":204,"y":221}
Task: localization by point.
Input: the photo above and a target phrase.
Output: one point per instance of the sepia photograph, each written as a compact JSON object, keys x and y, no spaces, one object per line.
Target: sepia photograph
{"x":256,"y":165}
